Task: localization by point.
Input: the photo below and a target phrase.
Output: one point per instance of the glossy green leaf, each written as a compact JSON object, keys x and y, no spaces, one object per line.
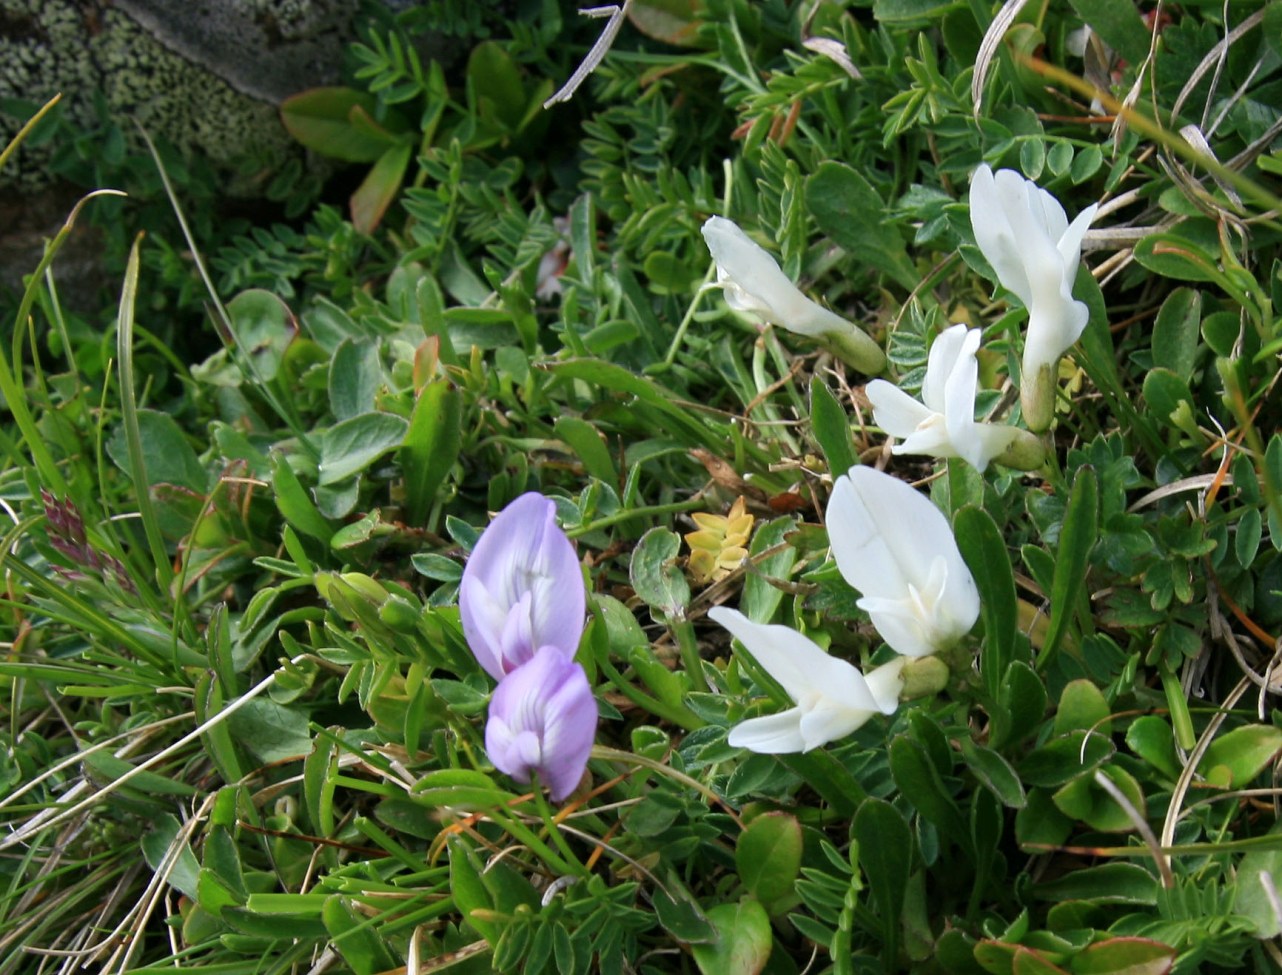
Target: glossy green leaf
{"x":994,"y":772}
{"x":656,"y":577}
{"x":355,"y":938}
{"x":768,"y":856}
{"x":761,"y":598}
{"x":379,"y":188}
{"x":431,"y":447}
{"x":985,"y":552}
{"x":831,"y":427}
{"x":849,"y":210}
{"x":1124,"y":956}
{"x":349,"y":447}
{"x":743,"y":942}
{"x":1151,"y":738}
{"x":321,"y":119}
{"x":1244,"y":752}
{"x":1078,"y":535}
{"x":1177,"y":332}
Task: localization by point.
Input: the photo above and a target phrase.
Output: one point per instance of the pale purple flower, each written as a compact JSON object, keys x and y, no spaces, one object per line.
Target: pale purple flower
{"x":543,"y":719}
{"x":522,"y":588}
{"x":894,"y":546}
{"x":832,"y":697}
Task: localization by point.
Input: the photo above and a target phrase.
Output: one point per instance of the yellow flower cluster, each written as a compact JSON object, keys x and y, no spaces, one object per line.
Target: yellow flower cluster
{"x":719,"y":545}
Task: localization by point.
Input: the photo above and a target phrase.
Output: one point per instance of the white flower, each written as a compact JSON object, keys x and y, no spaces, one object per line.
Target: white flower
{"x":894,"y":546}
{"x":1026,"y":237}
{"x":943,"y":425}
{"x":832,"y":697}
{"x":752,"y":282}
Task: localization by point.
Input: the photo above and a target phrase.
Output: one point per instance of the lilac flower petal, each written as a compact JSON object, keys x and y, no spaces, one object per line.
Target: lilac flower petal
{"x":543,"y":720}
{"x":522,"y":588}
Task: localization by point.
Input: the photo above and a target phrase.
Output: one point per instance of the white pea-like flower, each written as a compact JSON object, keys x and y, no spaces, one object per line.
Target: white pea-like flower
{"x":753,"y":282}
{"x":1025,"y":235}
{"x":832,"y":697}
{"x":943,"y":423}
{"x":894,"y":546}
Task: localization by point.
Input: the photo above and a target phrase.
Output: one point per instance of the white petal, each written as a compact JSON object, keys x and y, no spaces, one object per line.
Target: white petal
{"x":931,"y":439}
{"x":884,"y":533}
{"x":822,"y":725}
{"x":1070,"y":244}
{"x":772,"y":734}
{"x":805,"y":671}
{"x":754,"y":272}
{"x":951,"y":346}
{"x":992,"y":204}
{"x":900,"y":626}
{"x":886,"y":683}
{"x":894,"y":410}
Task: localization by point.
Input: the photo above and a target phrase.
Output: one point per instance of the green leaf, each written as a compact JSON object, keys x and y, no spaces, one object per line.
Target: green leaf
{"x":606,"y":375}
{"x":355,"y":375}
{"x":1077,"y":537}
{"x":431,"y":447}
{"x":656,"y":577}
{"x":271,"y":732}
{"x":1164,"y":391}
{"x":1252,"y":897}
{"x":885,"y":856}
{"x":1110,"y":883}
{"x":1177,"y":332}
{"x":743,"y":942}
{"x":1022,"y":701}
{"x":471,"y":898}
{"x":157,"y":846}
{"x":1151,"y":738}
{"x":997,"y":774}
{"x":108,"y":767}
{"x":1060,"y":759}
{"x":1085,"y":800}
{"x":760,"y":597}
{"x":848,"y":209}
{"x":294,"y":504}
{"x":167,"y":453}
{"x":1176,"y":257}
{"x":674,"y":22}
{"x":355,"y":937}
{"x":1124,"y":956}
{"x":350,"y":446}
{"x":984,"y":550}
{"x":913,"y":13}
{"x":919,"y":781}
{"x":1118,"y":24}
{"x":831,"y":427}
{"x":586,"y":442}
{"x":321,"y":119}
{"x":768,"y":856}
{"x":379,"y":188}
{"x":681,"y":916}
{"x":496,"y":81}
{"x":1244,"y":752}
{"x":262,"y":328}
{"x":1082,"y":706}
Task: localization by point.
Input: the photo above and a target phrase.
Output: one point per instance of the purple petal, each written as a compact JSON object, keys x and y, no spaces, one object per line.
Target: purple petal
{"x":543,"y":719}
{"x":522,"y":588}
